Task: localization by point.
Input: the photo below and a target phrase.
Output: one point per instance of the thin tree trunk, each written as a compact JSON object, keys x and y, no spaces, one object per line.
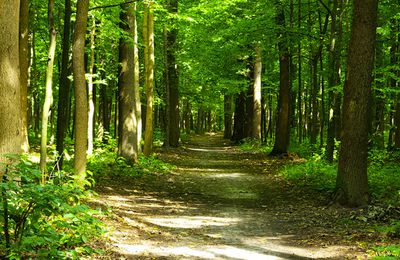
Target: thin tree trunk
{"x":300,"y":83}
{"x":228,"y":116}
{"x":352,"y":180}
{"x":91,"y":121}
{"x":334,"y":99}
{"x":256,"y":129}
{"x":136,"y":82}
{"x":64,"y":86}
{"x":81,"y":102}
{"x":48,"y":100}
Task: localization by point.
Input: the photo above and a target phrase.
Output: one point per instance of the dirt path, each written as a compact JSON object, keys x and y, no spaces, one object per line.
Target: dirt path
{"x":219,"y":203}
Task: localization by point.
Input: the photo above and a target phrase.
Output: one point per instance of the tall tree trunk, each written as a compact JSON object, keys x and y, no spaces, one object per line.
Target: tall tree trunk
{"x":394,"y":50}
{"x":334,"y":99}
{"x":148,"y":35}
{"x":128,"y":125}
{"x":24,"y":68}
{"x":172,"y":80}
{"x":64,"y":86}
{"x":91,"y":91}
{"x":48,"y":100}
{"x":81,"y":102}
{"x":299,"y":80}
{"x":256,"y":128}
{"x":282,"y":134}
{"x":136,"y":82}
{"x":314,"y":103}
{"x":10,"y":105}
{"x":352,"y":180}
{"x":239,"y":118}
{"x":228,"y":116}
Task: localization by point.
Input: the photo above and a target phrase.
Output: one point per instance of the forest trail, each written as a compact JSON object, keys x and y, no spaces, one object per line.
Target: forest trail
{"x":219,"y":203}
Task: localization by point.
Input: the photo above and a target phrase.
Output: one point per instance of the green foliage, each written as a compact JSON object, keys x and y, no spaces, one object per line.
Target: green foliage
{"x":386,"y":252}
{"x":44,"y":220}
{"x":250,"y":144}
{"x":314,"y":173}
{"x":105,"y":162}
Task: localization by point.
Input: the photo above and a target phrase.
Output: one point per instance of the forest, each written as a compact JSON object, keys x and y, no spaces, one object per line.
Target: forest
{"x":209,"y":129}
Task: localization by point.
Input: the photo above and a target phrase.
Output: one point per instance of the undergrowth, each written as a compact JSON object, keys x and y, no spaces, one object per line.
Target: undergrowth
{"x":105,"y":162}
{"x":45,"y":221}
{"x":315,"y":173}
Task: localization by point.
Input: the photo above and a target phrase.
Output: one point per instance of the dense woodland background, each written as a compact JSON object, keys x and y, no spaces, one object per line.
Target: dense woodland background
{"x":77,"y":76}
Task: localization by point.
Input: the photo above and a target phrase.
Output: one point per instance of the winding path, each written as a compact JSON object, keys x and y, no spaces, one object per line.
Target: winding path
{"x":219,"y":203}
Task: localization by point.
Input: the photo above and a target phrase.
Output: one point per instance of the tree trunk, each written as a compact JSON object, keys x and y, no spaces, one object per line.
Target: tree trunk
{"x":24,"y":68}
{"x":172,"y":80}
{"x":334,"y":79}
{"x":81,"y":102}
{"x":239,"y":118}
{"x":128,"y":125}
{"x":10,"y":105}
{"x":256,"y":128}
{"x":91,"y":91}
{"x":64,"y":86}
{"x":228,"y":116}
{"x":282,"y":134}
{"x":299,"y":81}
{"x":352,"y":180}
{"x":136,"y":82}
{"x":148,"y":35}
{"x":48,"y":100}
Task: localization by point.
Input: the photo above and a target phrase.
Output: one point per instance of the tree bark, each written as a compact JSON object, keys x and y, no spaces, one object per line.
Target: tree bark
{"x":128,"y":125}
{"x":239,"y":120}
{"x":352,"y":180}
{"x":81,"y":102}
{"x":48,"y":100}
{"x":10,"y":105}
{"x":24,"y":60}
{"x":228,"y":116}
{"x":334,"y":99}
{"x":148,"y":34}
{"x":172,"y":80}
{"x":64,"y":86}
{"x":91,"y":90}
{"x":282,"y":134}
{"x":256,"y":128}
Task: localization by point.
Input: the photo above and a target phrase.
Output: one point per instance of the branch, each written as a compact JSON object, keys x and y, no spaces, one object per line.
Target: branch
{"x":326,"y":7}
{"x":113,"y":5}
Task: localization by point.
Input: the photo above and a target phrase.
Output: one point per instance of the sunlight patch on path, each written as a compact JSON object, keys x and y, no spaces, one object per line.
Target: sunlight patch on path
{"x":204,"y":252}
{"x":209,"y":150}
{"x":190,"y":221}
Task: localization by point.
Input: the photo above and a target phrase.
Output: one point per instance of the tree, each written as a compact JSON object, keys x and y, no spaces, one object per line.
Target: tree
{"x":282,"y":134}
{"x":10,"y":105}
{"x":256,"y":129}
{"x":48,"y":100}
{"x":81,"y":102}
{"x":352,"y":180}
{"x":148,"y":36}
{"x":128,"y":141}
{"x":24,"y":60}
{"x":172,"y":79}
{"x":64,"y":85}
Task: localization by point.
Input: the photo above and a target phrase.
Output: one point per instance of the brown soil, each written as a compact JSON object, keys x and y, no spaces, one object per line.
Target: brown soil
{"x":220,"y":203}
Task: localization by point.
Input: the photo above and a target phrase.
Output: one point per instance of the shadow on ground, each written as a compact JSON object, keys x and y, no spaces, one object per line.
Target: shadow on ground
{"x":218,"y":204}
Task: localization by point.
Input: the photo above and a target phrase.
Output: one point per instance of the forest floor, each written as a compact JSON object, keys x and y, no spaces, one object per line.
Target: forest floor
{"x":221,"y":203}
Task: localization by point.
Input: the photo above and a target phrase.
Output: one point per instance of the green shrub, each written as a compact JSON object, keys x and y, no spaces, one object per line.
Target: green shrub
{"x":44,"y":220}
